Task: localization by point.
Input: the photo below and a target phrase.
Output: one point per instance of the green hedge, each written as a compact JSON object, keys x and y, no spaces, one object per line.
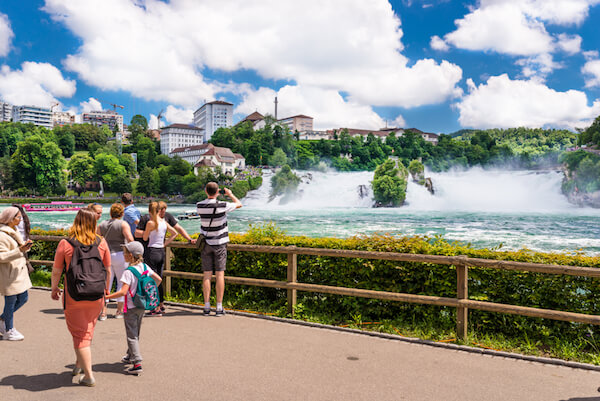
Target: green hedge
{"x":546,"y":291}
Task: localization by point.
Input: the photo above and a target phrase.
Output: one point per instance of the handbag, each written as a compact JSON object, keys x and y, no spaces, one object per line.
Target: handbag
{"x":201,"y":241}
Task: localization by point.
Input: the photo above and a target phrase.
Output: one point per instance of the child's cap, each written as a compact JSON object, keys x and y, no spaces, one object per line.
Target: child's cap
{"x":135,"y":248}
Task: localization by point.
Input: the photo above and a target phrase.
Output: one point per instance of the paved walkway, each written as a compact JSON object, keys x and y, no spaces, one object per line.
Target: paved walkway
{"x":192,"y":357}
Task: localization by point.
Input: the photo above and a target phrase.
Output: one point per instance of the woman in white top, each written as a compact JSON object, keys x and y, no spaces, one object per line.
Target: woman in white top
{"x":155,"y":233}
{"x":116,"y":232}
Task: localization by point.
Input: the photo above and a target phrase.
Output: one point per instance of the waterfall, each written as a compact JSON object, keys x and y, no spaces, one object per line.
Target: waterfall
{"x":471,"y":190}
{"x":490,"y":191}
{"x":319,"y":190}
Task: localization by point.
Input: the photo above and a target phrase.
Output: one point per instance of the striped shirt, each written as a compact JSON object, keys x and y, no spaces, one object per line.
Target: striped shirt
{"x":213,"y":220}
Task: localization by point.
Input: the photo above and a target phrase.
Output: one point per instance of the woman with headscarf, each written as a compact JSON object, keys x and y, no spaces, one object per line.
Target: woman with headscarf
{"x":14,"y":277}
{"x":81,"y":316}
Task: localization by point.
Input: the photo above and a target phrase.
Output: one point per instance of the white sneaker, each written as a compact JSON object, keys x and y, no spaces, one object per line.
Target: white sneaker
{"x":13,"y":335}
{"x":2,"y":327}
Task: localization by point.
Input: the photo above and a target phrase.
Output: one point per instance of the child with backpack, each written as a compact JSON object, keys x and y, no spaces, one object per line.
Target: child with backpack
{"x":139,"y":287}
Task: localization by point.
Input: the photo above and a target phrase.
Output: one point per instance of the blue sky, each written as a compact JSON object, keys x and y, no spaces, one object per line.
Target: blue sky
{"x":437,"y":65}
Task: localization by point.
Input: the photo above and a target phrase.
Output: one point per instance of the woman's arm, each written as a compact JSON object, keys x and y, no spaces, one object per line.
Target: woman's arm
{"x":127,"y":232}
{"x":121,"y":293}
{"x":57,"y":268}
{"x":173,"y":234}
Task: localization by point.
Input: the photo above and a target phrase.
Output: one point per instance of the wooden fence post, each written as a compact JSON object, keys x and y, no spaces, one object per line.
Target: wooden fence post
{"x":462,"y":292}
{"x":167,"y":281}
{"x":292,"y":277}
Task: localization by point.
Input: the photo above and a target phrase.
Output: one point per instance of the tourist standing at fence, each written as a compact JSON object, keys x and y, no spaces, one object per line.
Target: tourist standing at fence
{"x":162,"y":212}
{"x":81,"y":315}
{"x":155,"y":233}
{"x":213,"y":222}
{"x":14,"y":277}
{"x":134,"y":255}
{"x":116,"y":232}
{"x":132,"y":214}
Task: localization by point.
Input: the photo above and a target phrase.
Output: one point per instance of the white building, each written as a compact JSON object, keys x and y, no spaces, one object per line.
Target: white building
{"x":6,"y":110}
{"x":299,"y":123}
{"x":60,"y":118}
{"x":107,"y":117}
{"x":191,"y":154}
{"x":40,"y":116}
{"x":314,"y":135}
{"x":179,"y":136}
{"x":216,"y":156}
{"x":213,"y":115}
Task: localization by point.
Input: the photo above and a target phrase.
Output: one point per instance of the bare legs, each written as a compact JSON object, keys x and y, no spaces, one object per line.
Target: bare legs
{"x":219,"y":287}
{"x":84,"y":361}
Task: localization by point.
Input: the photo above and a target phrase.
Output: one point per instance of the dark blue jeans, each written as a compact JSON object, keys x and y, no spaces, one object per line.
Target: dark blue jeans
{"x":11,"y":304}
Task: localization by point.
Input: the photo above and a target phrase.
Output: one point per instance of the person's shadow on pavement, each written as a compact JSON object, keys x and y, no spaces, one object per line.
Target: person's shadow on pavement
{"x":46,"y":381}
{"x":50,"y":381}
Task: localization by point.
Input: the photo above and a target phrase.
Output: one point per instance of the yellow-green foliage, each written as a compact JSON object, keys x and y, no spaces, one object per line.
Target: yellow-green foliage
{"x":547,"y":291}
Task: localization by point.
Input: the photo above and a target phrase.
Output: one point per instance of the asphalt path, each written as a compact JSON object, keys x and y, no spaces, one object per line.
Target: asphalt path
{"x":188,"y":356}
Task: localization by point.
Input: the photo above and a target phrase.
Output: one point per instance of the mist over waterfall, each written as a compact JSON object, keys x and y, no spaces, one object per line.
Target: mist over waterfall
{"x":490,"y":191}
{"x":471,"y":190}
{"x":319,"y":190}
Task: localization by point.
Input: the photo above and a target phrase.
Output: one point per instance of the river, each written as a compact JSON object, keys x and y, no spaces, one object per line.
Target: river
{"x":506,"y":209}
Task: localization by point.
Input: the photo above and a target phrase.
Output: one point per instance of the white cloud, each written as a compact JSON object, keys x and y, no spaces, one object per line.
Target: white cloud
{"x":517,"y":27}
{"x":36,"y":84}
{"x":438,"y":43}
{"x":6,"y":35}
{"x":591,"y":70}
{"x":175,"y":42}
{"x":153,"y":123}
{"x":569,"y":43}
{"x":326,"y":106}
{"x":591,"y":55}
{"x":539,"y":66}
{"x":501,"y":27}
{"x":177,"y":115}
{"x":91,"y":104}
{"x":503,"y":103}
{"x":399,"y":122}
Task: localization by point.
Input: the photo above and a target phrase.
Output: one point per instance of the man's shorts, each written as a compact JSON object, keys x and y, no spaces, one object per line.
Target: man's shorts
{"x":214,"y":257}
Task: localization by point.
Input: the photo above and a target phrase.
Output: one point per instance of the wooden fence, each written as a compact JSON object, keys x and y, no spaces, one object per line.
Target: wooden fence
{"x":462,"y":303}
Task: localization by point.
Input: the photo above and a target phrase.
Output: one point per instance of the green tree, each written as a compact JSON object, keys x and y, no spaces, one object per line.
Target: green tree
{"x":38,"y":164}
{"x":65,"y":141}
{"x":6,"y":174}
{"x":179,"y":167}
{"x":140,"y":120}
{"x":389,"y":183}
{"x":284,"y":182}
{"x":146,"y":153}
{"x":81,"y":168}
{"x":278,"y":158}
{"x":108,"y":170}
{"x":148,"y":182}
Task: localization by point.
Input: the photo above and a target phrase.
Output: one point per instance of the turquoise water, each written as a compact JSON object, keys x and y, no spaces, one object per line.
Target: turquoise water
{"x":484,"y":209}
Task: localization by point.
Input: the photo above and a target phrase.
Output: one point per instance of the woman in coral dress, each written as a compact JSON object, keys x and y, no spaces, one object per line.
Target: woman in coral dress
{"x":81,"y":316}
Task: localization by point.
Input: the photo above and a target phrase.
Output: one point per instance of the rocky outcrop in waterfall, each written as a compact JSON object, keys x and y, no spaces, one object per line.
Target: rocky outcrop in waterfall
{"x":417,"y":172}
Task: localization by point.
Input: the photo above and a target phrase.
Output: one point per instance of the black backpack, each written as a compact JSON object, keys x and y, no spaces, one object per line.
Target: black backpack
{"x":86,"y":277}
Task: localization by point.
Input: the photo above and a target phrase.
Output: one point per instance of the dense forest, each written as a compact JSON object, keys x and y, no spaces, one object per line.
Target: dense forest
{"x":515,"y":148}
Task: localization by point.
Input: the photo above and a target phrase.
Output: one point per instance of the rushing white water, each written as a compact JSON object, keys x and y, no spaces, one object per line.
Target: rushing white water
{"x":318,"y":190}
{"x":490,"y":191}
{"x":510,"y":209}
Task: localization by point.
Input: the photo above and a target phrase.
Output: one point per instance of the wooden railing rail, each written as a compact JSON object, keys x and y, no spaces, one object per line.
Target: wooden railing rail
{"x":462,"y":263}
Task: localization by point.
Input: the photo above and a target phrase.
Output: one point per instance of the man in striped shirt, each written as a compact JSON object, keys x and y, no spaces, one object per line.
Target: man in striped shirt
{"x":213,"y":222}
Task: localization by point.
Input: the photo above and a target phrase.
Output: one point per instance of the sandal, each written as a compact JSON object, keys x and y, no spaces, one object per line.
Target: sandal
{"x":102,"y":317}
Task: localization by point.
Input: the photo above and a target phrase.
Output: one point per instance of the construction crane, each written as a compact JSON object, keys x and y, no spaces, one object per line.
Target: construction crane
{"x":53,"y":106}
{"x":158,"y":117}
{"x":114,"y":105}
